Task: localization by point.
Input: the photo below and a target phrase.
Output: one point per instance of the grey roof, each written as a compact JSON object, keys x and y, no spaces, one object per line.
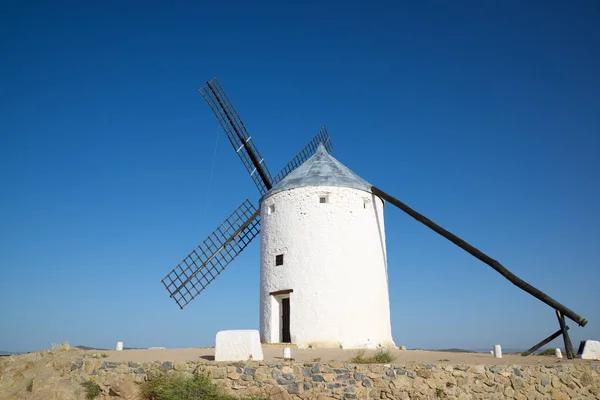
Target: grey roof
{"x":320,"y":170}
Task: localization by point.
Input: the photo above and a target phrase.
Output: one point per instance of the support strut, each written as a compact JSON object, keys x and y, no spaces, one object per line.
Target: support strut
{"x":515,"y":280}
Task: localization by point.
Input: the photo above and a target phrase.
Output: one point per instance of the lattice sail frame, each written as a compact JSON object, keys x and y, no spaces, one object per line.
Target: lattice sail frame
{"x":237,"y":133}
{"x":210,"y":258}
{"x":305,"y":153}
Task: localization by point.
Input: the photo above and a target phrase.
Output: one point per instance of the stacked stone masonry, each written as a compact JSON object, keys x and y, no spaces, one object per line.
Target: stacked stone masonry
{"x":325,"y":381}
{"x":358,"y":381}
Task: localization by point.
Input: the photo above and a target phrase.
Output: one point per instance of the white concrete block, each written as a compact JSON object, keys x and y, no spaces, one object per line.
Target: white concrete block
{"x":591,"y":350}
{"x":558,"y":353}
{"x":497,"y":351}
{"x":119,"y":346}
{"x":238,"y":345}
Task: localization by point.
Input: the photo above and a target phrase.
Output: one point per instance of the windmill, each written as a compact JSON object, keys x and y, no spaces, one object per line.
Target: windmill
{"x":323,"y":236}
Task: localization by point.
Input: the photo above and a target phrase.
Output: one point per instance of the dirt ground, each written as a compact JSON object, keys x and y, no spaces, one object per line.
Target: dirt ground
{"x":275,"y":354}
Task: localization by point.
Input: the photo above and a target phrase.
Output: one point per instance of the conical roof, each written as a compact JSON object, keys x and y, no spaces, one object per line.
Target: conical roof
{"x":320,"y":170}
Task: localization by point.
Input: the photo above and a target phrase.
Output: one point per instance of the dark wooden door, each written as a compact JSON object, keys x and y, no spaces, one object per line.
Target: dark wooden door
{"x":285,"y":321}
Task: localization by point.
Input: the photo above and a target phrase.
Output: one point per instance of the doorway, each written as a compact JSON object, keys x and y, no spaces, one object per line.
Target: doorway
{"x":285,"y":320}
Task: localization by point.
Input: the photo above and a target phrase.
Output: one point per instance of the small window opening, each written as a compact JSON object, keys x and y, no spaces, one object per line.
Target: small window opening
{"x":279,"y":259}
{"x":322,"y":199}
{"x":271,"y":209}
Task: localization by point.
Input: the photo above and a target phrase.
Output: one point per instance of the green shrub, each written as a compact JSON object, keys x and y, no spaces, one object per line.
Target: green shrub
{"x":381,"y":356}
{"x":92,"y":390}
{"x":176,"y":386}
{"x":551,"y":351}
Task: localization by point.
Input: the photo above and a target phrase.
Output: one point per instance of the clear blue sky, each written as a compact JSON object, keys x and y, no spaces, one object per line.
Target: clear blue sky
{"x":484,"y":116}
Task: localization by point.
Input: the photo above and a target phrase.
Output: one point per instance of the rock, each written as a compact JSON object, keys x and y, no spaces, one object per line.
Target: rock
{"x":586,"y":379}
{"x":546,"y":382}
{"x":328,"y":377}
{"x":278,"y":393}
{"x":260,"y":377}
{"x":324,"y":397}
{"x":218,"y":373}
{"x":276,"y":373}
{"x":284,"y":381}
{"x":166,"y":366}
{"x":125,"y":390}
{"x":293,"y":388}
{"x":238,"y":345}
{"x":424,"y":373}
{"x":558,"y":395}
{"x":496,"y":368}
{"x":380,"y":383}
{"x":77,"y":365}
{"x":233,"y":375}
{"x":289,"y":377}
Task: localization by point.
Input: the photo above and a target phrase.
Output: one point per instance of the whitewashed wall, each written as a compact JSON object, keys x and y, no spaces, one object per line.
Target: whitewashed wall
{"x":335,"y":263}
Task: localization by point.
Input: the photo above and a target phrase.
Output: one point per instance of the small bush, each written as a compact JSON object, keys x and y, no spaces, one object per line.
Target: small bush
{"x":551,"y":351}
{"x":30,"y":386}
{"x":64,"y":346}
{"x":381,"y":356}
{"x":92,"y":390}
{"x":176,"y":386}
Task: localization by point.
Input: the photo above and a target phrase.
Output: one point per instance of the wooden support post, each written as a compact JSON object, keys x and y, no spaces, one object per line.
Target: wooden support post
{"x":543,"y":342}
{"x":565,"y":334}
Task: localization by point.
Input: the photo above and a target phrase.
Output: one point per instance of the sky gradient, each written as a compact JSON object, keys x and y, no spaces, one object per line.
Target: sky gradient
{"x":481,"y":115}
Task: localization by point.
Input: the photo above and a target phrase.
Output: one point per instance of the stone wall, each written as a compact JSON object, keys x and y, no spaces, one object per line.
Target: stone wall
{"x":325,"y":381}
{"x":319,"y":381}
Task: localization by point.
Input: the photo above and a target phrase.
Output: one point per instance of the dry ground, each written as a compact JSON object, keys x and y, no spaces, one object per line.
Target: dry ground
{"x":275,"y":354}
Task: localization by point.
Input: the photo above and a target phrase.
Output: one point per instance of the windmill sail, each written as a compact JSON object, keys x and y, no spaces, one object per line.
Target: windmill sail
{"x":210,"y":258}
{"x":305,"y":153}
{"x":236,"y":131}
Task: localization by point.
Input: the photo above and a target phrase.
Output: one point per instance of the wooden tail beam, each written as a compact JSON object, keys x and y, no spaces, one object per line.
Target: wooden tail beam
{"x":515,"y":280}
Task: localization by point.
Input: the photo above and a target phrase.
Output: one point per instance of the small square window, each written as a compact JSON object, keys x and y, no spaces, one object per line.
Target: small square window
{"x":322,"y":199}
{"x":271,"y":209}
{"x":279,"y":259}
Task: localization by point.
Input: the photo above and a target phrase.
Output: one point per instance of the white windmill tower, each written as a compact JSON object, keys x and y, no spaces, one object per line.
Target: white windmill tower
{"x":323,"y":272}
{"x":323,"y":253}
